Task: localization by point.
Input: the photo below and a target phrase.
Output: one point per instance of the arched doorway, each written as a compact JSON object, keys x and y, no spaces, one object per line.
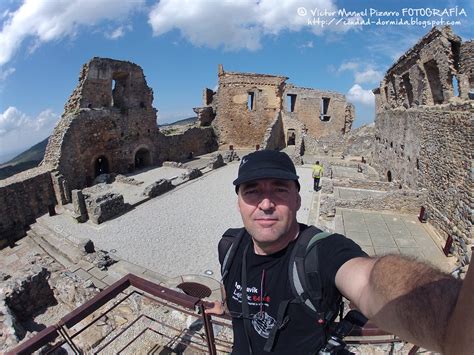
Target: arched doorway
{"x":389,"y":176}
{"x":101,"y":166}
{"x":142,"y":158}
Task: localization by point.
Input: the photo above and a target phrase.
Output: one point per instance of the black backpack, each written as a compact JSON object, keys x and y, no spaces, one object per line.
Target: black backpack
{"x":303,"y":274}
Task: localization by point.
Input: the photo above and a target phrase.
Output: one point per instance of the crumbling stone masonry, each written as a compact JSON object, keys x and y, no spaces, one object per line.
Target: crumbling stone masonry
{"x":23,"y":197}
{"x":108,"y":126}
{"x":423,"y":130}
{"x":258,"y":109}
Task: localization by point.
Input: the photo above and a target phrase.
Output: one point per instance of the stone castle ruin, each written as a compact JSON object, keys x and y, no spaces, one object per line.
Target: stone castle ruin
{"x":423,"y":129}
{"x":108,"y":126}
{"x":418,"y":153}
{"x":257,"y":109}
{"x":422,"y":138}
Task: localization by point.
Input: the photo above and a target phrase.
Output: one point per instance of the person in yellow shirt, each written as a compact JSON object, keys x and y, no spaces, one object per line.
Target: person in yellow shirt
{"x":317,"y":174}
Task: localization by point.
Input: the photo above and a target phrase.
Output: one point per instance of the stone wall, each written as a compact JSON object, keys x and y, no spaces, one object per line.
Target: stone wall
{"x":360,"y":142}
{"x":465,"y":72}
{"x":403,"y":201}
{"x":274,"y":136}
{"x":108,"y":125}
{"x":423,"y":132}
{"x":178,"y":147}
{"x":103,"y":141}
{"x":425,"y":74}
{"x":23,"y":198}
{"x":247,"y":105}
{"x":322,"y":112}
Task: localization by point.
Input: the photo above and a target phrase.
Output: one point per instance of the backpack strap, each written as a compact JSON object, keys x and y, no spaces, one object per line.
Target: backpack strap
{"x":304,"y":269}
{"x":305,"y":281}
{"x":227,"y":248}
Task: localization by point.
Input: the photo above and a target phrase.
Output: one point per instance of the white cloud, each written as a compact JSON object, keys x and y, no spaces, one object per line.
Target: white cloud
{"x":357,"y":94}
{"x":348,"y":66}
{"x":118,"y":32}
{"x":13,"y":119}
{"x":6,"y":73}
{"x":19,"y":131}
{"x":364,"y":73}
{"x":368,"y":76}
{"x":44,"y":21}
{"x":233,"y":25}
{"x":309,"y":44}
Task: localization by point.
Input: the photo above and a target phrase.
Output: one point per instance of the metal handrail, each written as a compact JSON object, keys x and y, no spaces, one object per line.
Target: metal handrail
{"x":51,"y":333}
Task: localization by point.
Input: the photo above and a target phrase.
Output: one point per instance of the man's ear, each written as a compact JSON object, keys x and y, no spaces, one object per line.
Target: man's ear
{"x":298,"y":202}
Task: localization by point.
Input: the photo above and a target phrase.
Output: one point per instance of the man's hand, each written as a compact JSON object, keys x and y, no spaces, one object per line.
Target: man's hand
{"x":218,"y":308}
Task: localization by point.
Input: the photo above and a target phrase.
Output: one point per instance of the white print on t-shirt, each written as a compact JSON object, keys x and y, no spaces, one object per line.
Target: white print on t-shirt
{"x":263,"y":323}
{"x":253,"y":297}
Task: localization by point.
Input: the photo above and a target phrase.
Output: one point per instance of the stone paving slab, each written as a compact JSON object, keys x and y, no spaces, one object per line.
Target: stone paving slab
{"x":97,"y":273}
{"x":381,"y":240}
{"x":360,"y":237}
{"x":392,"y":233}
{"x":82,"y":274}
{"x":98,"y":283}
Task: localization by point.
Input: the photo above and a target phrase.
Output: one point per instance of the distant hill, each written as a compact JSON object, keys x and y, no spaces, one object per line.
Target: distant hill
{"x":24,"y":161}
{"x":182,"y":122}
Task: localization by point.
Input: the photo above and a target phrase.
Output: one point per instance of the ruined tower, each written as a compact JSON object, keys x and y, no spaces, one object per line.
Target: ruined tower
{"x":108,"y":124}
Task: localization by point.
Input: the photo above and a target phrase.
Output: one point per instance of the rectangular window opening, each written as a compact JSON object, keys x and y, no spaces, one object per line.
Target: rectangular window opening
{"x":290,"y":102}
{"x":325,"y":109}
{"x":251,"y":101}
{"x":408,"y":88}
{"x":432,"y":72}
{"x":455,"y":85}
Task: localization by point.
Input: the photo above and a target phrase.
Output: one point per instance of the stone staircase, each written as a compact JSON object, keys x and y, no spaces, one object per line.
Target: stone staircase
{"x":57,"y":246}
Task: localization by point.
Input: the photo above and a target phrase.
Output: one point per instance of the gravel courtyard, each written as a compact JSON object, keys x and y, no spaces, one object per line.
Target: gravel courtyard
{"x":176,"y":233}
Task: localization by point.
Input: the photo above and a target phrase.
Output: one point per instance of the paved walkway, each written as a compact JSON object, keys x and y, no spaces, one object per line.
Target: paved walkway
{"x":382,"y":233}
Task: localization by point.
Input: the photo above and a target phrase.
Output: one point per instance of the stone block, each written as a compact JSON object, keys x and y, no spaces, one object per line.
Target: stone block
{"x":104,"y":206}
{"x":216,"y":161}
{"x":190,"y":174}
{"x":79,"y":205}
{"x":230,"y":156}
{"x":158,"y":188}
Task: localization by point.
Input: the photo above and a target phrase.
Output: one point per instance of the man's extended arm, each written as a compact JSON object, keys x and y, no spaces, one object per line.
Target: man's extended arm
{"x":402,"y":296}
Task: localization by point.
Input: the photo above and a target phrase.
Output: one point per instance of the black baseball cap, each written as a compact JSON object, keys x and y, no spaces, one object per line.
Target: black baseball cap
{"x":266,"y":164}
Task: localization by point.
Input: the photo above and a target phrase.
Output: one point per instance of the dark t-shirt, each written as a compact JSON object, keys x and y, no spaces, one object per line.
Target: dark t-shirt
{"x":268,"y":284}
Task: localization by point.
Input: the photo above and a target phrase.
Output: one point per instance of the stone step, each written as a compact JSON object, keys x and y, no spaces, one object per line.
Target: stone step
{"x":58,"y":247}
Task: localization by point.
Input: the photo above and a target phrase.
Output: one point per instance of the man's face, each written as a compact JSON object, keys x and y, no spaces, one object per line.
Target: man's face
{"x":268,"y":208}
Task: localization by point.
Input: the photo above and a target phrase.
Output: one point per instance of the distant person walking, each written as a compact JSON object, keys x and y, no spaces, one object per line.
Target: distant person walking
{"x":317,"y":174}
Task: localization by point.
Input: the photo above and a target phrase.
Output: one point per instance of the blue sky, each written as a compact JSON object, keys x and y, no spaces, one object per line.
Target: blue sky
{"x":179,"y":44}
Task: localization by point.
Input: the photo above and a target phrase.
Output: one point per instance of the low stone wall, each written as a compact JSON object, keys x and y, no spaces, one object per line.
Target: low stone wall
{"x":195,"y":141}
{"x":23,"y":198}
{"x":403,"y":201}
{"x":364,"y":184}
